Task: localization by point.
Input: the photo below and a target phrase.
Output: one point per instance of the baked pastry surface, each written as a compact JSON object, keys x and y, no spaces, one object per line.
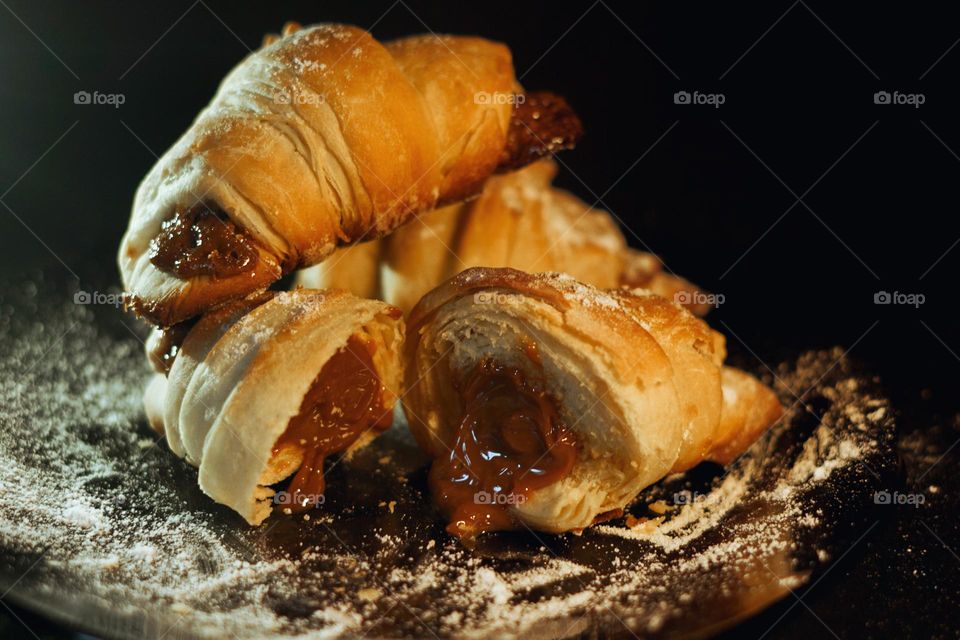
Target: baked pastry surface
{"x":324,"y":137}
{"x":264,"y":386}
{"x":633,"y":382}
{"x":519,"y":221}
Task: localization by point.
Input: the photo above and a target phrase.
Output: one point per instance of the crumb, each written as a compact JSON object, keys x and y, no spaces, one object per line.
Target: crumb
{"x":632,"y":521}
{"x":369,"y":594}
{"x":659,"y":507}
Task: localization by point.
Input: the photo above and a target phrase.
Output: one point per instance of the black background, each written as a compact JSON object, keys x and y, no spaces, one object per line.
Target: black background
{"x":714,"y":191}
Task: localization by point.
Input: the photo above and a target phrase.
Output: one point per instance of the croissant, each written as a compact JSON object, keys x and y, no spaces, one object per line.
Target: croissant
{"x":325,"y":137}
{"x":266,"y":387}
{"x":550,"y":404}
{"x":518,"y":221}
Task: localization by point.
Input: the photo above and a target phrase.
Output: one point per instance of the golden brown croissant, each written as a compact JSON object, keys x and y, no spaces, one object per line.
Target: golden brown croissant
{"x":325,"y":137}
{"x":549,"y":404}
{"x":266,"y":387}
{"x":518,"y":221}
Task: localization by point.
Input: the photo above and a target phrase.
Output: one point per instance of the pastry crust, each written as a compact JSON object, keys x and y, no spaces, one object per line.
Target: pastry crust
{"x":355,"y":268}
{"x":323,"y":137}
{"x":518,"y":221}
{"x":645,"y":271}
{"x":242,"y":373}
{"x":749,"y":407}
{"x":637,"y":379}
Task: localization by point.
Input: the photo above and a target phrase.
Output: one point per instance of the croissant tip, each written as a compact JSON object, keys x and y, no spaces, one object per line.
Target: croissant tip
{"x":291,"y":27}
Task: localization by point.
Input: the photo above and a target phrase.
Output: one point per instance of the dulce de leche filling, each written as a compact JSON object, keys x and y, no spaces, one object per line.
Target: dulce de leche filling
{"x":542,"y":123}
{"x":201,"y":242}
{"x":345,"y":401}
{"x":510,"y":442}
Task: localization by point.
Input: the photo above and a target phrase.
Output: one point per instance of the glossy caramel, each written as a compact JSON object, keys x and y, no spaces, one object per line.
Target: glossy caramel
{"x":164,"y":346}
{"x":346,"y":400}
{"x":510,"y":442}
{"x":202,"y":242}
{"x":541,"y":124}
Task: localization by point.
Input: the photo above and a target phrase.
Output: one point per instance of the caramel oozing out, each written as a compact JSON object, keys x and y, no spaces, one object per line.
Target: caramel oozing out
{"x":346,"y":400}
{"x":542,"y":124}
{"x":510,"y":442}
{"x":166,"y":346}
{"x":202,"y":242}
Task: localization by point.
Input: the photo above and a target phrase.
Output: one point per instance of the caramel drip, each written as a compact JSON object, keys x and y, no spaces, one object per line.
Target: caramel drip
{"x":345,"y":401}
{"x":510,"y":442}
{"x":163,"y":348}
{"x":541,"y":124}
{"x":200,"y":242}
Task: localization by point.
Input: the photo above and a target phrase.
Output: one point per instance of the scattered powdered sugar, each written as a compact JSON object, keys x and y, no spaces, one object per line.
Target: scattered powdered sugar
{"x":301,"y":65}
{"x":82,"y":515}
{"x":579,"y":293}
{"x":113,"y":532}
{"x":693,"y":519}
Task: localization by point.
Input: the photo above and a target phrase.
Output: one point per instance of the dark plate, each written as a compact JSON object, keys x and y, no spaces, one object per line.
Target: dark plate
{"x":105,"y":530}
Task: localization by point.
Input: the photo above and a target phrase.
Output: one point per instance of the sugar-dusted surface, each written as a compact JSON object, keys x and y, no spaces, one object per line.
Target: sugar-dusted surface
{"x":110,"y":531}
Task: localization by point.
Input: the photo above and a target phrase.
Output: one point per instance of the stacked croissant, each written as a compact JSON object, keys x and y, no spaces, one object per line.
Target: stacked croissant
{"x":546,"y":368}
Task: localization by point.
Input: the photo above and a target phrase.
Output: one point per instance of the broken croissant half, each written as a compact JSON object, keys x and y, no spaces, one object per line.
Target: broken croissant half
{"x":267,"y":387}
{"x":550,"y":404}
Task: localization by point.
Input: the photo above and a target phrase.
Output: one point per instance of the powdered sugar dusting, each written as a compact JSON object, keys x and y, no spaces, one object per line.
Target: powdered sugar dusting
{"x":96,"y":519}
{"x":579,"y":293}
